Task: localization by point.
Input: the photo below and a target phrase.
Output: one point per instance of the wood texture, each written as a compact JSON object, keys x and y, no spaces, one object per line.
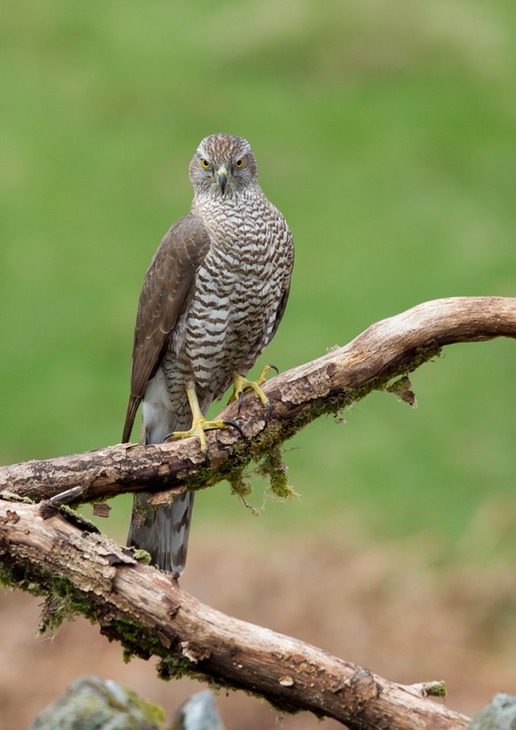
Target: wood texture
{"x":51,"y":553}
{"x":144,"y":609}
{"x":390,"y":348}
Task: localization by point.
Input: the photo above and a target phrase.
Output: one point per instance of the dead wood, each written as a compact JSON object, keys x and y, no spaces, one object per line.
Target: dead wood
{"x":80,"y":570}
{"x":47,"y":551}
{"x":389,"y":349}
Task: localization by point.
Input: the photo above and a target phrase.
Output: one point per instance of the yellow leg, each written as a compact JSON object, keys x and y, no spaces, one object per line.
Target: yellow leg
{"x":241,"y":384}
{"x":199,"y":423}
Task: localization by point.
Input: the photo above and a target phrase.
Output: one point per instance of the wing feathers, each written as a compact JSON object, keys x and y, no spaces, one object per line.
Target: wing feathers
{"x":165,"y":291}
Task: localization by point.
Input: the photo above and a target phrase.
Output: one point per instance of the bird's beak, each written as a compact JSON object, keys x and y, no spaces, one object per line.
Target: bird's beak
{"x":222,"y":177}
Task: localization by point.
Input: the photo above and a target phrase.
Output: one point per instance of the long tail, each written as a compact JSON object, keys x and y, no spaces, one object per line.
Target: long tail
{"x":163,"y":531}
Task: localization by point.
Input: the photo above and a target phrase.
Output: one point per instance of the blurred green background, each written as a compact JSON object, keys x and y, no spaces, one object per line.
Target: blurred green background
{"x":385,"y":132}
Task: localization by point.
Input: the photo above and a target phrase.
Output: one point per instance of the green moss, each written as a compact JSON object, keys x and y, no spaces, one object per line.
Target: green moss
{"x":135,"y":639}
{"x":13,"y":497}
{"x":152,"y":713}
{"x":62,"y":600}
{"x":175,"y":667}
{"x":93,"y":703}
{"x":265,"y":448}
{"x":56,"y":608}
{"x":142,"y":556}
{"x":402,"y":389}
{"x":437,"y":689}
{"x":240,"y":483}
{"x":140,"y":507}
{"x":274,"y":468}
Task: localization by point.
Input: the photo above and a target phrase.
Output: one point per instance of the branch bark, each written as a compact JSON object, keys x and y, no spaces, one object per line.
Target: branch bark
{"x":47,"y":551}
{"x":388,"y":349}
{"x":149,"y":614}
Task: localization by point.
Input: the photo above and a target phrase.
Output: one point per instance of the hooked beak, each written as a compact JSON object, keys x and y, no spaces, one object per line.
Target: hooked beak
{"x":222,"y":177}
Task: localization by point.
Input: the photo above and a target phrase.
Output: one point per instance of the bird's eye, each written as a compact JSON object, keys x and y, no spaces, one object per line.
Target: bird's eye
{"x":205,"y":163}
{"x":239,"y":163}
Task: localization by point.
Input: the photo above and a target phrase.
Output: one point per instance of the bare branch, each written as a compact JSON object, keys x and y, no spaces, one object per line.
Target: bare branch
{"x":46,"y":550}
{"x":149,"y":614}
{"x":387,"y":349}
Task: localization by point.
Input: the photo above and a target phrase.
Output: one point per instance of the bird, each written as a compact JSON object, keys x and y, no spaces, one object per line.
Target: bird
{"x":212,"y":300}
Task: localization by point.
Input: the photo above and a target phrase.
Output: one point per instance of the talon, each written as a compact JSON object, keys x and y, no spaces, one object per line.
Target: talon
{"x":241,"y":384}
{"x":199,"y":424}
{"x":233,"y":424}
{"x":265,"y":371}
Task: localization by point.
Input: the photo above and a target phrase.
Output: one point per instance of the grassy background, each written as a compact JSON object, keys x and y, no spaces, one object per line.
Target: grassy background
{"x":385,"y":134}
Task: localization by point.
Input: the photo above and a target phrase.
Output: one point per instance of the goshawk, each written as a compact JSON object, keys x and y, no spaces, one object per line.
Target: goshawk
{"x":212,"y":299}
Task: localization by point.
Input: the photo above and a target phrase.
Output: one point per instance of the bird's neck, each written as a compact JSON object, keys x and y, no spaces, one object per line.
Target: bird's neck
{"x":206,"y":204}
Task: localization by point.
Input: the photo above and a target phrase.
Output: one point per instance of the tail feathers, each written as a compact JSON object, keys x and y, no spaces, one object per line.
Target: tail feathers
{"x":163,"y":531}
{"x":132,"y":407}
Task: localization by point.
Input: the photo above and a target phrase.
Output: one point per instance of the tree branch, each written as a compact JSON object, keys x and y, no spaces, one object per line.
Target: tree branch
{"x":50,"y":552}
{"x":81,"y":570}
{"x":386,"y":350}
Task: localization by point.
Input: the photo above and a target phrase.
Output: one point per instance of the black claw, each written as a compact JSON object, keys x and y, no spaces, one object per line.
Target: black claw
{"x":273,"y":367}
{"x":206,"y":456}
{"x":240,"y":401}
{"x":233,"y":424}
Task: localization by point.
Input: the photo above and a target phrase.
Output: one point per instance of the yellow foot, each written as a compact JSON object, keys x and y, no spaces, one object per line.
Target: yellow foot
{"x":199,"y":423}
{"x":199,"y":427}
{"x":241,"y":384}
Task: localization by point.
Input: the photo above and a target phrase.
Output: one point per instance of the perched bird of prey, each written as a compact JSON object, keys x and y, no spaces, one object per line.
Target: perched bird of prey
{"x":212,"y":299}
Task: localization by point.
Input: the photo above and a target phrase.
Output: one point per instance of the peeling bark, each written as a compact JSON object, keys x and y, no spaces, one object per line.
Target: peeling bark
{"x":144,"y":609}
{"x":50,"y":552}
{"x":388,"y":349}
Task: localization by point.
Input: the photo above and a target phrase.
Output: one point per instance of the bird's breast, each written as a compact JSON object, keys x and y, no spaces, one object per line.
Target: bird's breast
{"x":234,"y":302}
{"x":233,"y":305}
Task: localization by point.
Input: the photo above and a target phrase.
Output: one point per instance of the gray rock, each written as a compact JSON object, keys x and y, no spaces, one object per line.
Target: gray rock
{"x":499,"y":715}
{"x":198,"y":713}
{"x":93,"y":704}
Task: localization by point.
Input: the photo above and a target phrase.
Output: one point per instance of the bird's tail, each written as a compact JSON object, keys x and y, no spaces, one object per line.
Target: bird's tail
{"x":162,"y":531}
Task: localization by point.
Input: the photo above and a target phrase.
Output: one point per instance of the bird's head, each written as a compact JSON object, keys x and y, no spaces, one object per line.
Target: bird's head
{"x":223,"y":166}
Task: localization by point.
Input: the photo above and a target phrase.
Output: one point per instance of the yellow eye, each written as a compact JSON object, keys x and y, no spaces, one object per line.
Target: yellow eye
{"x":239,"y":163}
{"x":205,"y":163}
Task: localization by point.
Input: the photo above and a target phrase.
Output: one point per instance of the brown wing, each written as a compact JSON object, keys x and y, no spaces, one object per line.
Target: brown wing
{"x":286,"y":289}
{"x":166,"y":288}
{"x":280,"y":312}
